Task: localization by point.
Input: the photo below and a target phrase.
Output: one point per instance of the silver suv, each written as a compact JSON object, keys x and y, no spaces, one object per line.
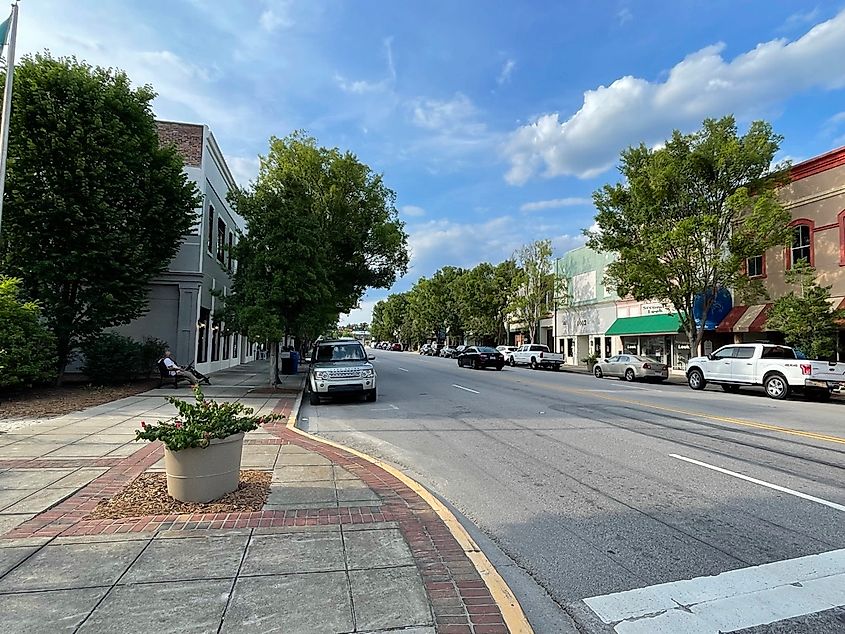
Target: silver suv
{"x":340,"y":366}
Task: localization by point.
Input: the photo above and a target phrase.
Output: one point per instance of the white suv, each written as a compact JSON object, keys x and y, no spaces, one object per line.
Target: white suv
{"x":340,"y":366}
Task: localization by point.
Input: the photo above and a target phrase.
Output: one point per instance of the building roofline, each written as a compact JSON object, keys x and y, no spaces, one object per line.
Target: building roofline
{"x":818,"y":164}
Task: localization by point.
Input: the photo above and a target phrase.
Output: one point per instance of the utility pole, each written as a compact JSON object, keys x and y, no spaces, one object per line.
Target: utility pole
{"x":11,"y":33}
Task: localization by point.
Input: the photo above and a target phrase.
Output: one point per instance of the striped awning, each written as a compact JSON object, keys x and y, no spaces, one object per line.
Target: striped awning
{"x":753,"y":318}
{"x":745,"y":319}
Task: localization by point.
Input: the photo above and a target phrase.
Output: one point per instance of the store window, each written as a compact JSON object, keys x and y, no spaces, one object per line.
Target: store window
{"x":608,"y":350}
{"x":597,"y":346}
{"x":570,"y":347}
{"x":215,"y":341}
{"x":202,"y":335}
{"x":756,"y":266}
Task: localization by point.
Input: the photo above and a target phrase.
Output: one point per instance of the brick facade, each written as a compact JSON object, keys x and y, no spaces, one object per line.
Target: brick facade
{"x":187,"y":137}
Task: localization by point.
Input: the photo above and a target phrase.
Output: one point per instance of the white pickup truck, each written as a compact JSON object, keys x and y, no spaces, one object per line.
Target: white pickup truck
{"x":778,"y":369}
{"x":537,"y":356}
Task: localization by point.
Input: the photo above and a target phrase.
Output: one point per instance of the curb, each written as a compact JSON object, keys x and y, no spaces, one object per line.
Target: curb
{"x":508,"y":604}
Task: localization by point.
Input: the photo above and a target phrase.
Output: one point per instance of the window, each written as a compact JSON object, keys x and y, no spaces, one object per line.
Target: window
{"x":229,"y":254}
{"x":728,"y":352}
{"x":235,"y":346}
{"x":210,"y":244}
{"x":570,"y":347}
{"x":755,"y":267}
{"x":801,"y":244}
{"x":777,"y":352}
{"x":744,"y":353}
{"x":215,"y":341}
{"x":202,"y":335}
{"x":221,"y":240}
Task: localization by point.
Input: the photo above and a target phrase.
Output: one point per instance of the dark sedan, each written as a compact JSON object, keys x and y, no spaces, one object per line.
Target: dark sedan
{"x":479,"y":357}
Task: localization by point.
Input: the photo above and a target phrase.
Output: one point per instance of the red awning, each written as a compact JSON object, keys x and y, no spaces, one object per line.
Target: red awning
{"x":745,"y":319}
{"x":727,"y":324}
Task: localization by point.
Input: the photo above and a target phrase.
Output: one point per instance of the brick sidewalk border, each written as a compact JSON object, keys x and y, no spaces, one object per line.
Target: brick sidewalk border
{"x":460,"y":600}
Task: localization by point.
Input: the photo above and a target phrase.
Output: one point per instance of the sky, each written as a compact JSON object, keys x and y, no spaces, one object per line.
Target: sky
{"x":492,"y":121}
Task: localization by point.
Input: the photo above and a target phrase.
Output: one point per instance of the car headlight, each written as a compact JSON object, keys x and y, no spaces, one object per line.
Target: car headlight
{"x":366,"y":374}
{"x":320,"y":376}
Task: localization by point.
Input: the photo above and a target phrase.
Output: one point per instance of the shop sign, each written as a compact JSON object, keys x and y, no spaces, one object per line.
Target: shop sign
{"x":654,"y":308}
{"x":683,"y":346}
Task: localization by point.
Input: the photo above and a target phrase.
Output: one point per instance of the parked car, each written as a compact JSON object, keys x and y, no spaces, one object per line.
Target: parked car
{"x":780,"y":370}
{"x":425,"y":349}
{"x":507,"y":351}
{"x":479,"y":357}
{"x":631,"y":367}
{"x":459,"y":350}
{"x":340,"y":366}
{"x":448,"y":352}
{"x":396,"y":347}
{"x":537,"y":356}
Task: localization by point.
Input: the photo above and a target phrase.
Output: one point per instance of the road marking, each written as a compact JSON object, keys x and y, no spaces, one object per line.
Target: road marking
{"x":769,"y":485}
{"x":403,"y":369}
{"x":732,"y":600}
{"x":461,"y":387}
{"x":721,"y":419}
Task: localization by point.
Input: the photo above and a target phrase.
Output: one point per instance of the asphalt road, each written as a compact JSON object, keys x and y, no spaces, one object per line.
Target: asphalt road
{"x":589,"y":487}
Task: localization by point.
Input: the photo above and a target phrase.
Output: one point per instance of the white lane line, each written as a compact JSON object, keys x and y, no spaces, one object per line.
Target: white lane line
{"x":403,"y":369}
{"x":461,"y":387}
{"x":769,"y":485}
{"x":732,"y":600}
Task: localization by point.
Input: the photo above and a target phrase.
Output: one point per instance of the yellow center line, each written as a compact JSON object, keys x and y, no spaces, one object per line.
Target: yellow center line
{"x":722,"y":419}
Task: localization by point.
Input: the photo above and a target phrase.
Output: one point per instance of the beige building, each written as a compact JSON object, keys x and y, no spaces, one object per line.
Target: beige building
{"x":815,"y":197}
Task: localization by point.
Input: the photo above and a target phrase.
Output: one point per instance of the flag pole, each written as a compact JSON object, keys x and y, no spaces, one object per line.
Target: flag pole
{"x":7,"y":104}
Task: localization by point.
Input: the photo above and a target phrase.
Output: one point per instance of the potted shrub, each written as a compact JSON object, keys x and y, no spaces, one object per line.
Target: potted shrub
{"x":591,"y":361}
{"x":202,"y":446}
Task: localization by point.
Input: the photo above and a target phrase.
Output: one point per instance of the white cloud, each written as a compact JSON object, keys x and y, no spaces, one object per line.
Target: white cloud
{"x":444,"y":115}
{"x":412,"y":211}
{"x":633,"y":110}
{"x":555,"y":203}
{"x":363,"y":313}
{"x":799,"y":19}
{"x":506,"y":72}
{"x":244,"y":169}
{"x":624,"y":15}
{"x":437,"y":243}
{"x":362,"y":86}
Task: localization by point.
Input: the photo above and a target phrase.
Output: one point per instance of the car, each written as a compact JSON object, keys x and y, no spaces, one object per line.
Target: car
{"x":779,"y":370}
{"x":479,"y":357}
{"x":425,"y":349}
{"x":338,"y":367}
{"x":448,"y":352}
{"x":537,"y":356}
{"x":396,"y":347}
{"x":631,"y":367}
{"x":507,"y":351}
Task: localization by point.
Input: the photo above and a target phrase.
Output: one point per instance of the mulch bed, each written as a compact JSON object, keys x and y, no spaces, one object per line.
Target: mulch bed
{"x":49,"y":401}
{"x":147,"y":495}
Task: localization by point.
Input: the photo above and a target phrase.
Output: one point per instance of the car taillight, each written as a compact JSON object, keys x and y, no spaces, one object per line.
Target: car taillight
{"x":806,"y":369}
{"x":646,"y":366}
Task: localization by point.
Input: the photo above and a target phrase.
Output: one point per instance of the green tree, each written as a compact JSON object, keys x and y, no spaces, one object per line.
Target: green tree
{"x":27,"y":348}
{"x":321,"y":229}
{"x":687,"y":215}
{"x":805,"y":316}
{"x":483,"y":294}
{"x":536,"y":288}
{"x":436,"y":306}
{"x":95,"y":206}
{"x":392,"y":319}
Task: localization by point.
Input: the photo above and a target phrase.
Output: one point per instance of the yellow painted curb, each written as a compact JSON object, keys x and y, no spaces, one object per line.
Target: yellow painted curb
{"x":508,"y":604}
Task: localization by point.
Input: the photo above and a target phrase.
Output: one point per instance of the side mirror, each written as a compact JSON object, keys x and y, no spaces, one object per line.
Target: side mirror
{"x":711,"y":356}
{"x":371,"y":357}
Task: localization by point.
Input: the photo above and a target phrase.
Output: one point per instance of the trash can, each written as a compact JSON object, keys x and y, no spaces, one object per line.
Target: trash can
{"x":294,"y":362}
{"x":285,"y":362}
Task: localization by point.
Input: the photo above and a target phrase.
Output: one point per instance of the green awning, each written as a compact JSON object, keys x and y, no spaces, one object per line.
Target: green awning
{"x":646,"y":325}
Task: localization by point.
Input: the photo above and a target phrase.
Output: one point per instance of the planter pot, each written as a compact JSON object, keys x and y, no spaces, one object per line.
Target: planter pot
{"x":204,"y":474}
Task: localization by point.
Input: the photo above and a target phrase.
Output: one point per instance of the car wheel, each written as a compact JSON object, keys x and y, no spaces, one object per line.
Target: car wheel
{"x":371,"y":396}
{"x":460,"y":363}
{"x":557,"y":367}
{"x":695,"y":379}
{"x":733,"y":389}
{"x":511,"y":362}
{"x":597,"y":372}
{"x":534,"y":365}
{"x":629,"y":375}
{"x":476,"y":364}
{"x":313,"y":398}
{"x":499,"y":367}
{"x":776,"y":386}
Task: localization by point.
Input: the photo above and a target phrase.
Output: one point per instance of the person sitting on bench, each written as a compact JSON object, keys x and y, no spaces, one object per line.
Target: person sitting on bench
{"x":174,"y":369}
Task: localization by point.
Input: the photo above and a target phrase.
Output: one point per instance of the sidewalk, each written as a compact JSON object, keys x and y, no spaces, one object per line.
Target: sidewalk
{"x":340,"y":546}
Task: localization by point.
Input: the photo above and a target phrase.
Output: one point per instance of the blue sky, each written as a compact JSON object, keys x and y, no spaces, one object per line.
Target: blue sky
{"x":493,"y":121}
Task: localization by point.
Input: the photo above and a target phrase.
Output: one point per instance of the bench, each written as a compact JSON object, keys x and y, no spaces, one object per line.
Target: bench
{"x":165,"y":375}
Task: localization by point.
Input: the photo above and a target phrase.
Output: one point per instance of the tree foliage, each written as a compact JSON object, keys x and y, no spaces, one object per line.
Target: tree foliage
{"x":687,"y":215}
{"x":321,"y":229}
{"x":95,"y":207}
{"x":484,"y":294}
{"x":536,"y":288}
{"x":27,"y":348}
{"x":804,"y":316}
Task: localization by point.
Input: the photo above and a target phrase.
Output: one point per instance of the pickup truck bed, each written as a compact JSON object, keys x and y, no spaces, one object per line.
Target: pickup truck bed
{"x":536,"y":356}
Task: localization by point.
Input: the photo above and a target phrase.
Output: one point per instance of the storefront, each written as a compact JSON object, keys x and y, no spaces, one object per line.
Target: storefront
{"x":581,"y":331}
{"x":656,"y":336}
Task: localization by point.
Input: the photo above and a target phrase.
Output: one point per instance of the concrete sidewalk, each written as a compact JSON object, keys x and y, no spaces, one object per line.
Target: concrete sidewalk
{"x":341,"y":545}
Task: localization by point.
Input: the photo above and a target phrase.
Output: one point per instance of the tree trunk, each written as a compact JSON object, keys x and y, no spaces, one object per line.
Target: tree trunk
{"x":62,"y":357}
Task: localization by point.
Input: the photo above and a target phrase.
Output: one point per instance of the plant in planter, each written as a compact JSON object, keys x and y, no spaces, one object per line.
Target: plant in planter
{"x":591,"y":361}
{"x":203,"y":445}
